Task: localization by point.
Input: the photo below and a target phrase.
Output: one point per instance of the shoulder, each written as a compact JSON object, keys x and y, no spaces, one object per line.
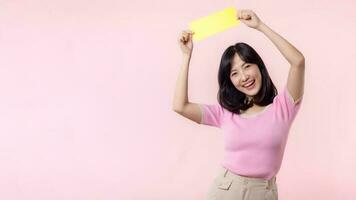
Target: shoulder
{"x":285,"y":106}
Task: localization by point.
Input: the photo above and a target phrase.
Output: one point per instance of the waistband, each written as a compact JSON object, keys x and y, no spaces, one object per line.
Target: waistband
{"x":270,"y":183}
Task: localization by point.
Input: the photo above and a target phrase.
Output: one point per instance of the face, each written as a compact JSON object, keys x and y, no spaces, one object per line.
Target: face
{"x":246,"y":77}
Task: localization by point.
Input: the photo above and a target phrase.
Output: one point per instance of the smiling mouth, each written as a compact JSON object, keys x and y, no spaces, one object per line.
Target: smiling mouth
{"x":249,"y":85}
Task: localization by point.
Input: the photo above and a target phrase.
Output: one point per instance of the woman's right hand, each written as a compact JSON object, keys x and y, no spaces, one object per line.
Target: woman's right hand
{"x":186,"y":42}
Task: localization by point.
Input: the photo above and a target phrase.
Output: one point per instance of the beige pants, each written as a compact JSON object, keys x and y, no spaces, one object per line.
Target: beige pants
{"x":230,"y":186}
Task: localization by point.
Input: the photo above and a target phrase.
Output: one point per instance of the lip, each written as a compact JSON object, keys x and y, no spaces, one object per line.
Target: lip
{"x":251,"y":86}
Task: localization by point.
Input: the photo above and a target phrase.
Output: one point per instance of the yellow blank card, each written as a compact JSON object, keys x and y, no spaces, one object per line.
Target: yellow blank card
{"x":214,"y":23}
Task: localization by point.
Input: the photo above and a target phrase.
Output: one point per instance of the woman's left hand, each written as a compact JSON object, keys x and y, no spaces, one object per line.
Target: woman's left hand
{"x":249,"y":18}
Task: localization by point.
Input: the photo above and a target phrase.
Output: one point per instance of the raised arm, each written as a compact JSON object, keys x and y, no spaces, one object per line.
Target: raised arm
{"x":295,"y":83}
{"x":181,"y":103}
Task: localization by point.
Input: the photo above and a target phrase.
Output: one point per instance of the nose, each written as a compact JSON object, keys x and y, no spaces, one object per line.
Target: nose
{"x":243,"y":77}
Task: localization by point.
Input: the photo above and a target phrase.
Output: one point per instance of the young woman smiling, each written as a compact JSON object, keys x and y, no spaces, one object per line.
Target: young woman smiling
{"x":255,"y":118}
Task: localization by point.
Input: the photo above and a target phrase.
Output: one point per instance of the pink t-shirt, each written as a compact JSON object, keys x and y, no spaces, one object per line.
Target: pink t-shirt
{"x":254,"y":145}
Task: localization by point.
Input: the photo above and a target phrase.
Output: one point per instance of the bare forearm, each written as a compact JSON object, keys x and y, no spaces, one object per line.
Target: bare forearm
{"x":181,"y":90}
{"x":292,"y":54}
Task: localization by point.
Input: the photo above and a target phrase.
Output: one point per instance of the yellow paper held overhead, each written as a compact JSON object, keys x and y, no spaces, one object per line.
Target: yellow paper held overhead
{"x":214,"y":23}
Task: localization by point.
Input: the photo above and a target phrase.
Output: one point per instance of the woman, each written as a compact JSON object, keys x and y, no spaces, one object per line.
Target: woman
{"x":254,"y":117}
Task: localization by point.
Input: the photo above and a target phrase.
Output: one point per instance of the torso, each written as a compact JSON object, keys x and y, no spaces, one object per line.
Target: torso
{"x":253,"y":111}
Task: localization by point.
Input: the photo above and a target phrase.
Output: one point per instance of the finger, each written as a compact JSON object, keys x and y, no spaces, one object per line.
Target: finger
{"x":184,"y":38}
{"x":246,"y":16}
{"x":181,"y":39}
{"x":249,"y":13}
{"x":243,"y":15}
{"x":191,"y":32}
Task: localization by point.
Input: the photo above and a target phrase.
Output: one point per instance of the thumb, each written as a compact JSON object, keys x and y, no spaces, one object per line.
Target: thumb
{"x":191,"y":36}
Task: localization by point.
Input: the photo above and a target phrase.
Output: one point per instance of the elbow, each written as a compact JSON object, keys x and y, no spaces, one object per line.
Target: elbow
{"x":178,"y":107}
{"x":300,"y":62}
{"x":177,"y":110}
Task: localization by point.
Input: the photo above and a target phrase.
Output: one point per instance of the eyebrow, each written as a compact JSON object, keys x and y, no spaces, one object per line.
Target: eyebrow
{"x":242,"y":65}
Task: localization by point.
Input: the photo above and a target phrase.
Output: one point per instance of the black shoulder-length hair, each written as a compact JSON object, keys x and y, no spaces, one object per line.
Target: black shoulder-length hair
{"x":231,"y":98}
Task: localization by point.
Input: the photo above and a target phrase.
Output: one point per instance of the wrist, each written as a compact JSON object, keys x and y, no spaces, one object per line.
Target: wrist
{"x":187,"y":55}
{"x":261,"y":26}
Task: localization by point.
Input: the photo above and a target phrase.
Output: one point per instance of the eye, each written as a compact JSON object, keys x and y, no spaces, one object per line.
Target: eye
{"x":233,"y":74}
{"x":247,"y":66}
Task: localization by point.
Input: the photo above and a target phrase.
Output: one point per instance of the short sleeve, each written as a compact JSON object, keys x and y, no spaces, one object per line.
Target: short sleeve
{"x":211,"y":114}
{"x":287,"y":107}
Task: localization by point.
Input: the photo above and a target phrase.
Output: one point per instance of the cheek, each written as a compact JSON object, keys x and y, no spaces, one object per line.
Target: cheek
{"x":255,"y":71}
{"x":234,"y":82}
{"x":257,"y":74}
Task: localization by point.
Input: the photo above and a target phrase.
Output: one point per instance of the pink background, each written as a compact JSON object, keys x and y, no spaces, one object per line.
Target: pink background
{"x":87,"y":87}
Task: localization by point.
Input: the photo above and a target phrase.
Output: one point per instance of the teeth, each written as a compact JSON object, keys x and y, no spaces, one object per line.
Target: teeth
{"x":249,"y":84}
